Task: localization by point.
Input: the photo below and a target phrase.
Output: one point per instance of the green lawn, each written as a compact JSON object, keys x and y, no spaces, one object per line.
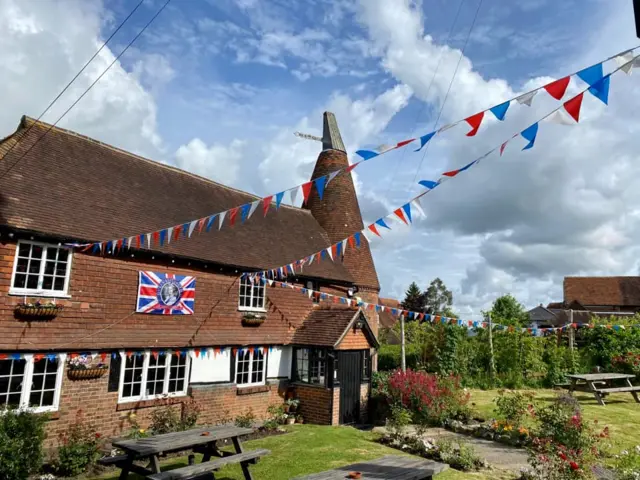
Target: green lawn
{"x":621,"y":414}
{"x":308,"y":449}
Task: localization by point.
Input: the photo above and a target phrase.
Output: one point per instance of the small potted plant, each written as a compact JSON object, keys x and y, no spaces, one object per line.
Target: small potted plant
{"x":252,"y":320}
{"x":299,"y":419}
{"x":81,"y":368}
{"x":37,"y":309}
{"x":291,"y":419}
{"x":292,"y":403}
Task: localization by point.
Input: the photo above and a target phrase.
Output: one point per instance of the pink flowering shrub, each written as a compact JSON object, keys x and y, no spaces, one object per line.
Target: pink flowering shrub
{"x":431,"y":399}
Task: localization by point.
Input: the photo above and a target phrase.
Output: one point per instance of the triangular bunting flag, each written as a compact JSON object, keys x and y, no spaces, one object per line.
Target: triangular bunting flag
{"x":559,"y":118}
{"x":266,"y":203}
{"x":332,"y":175}
{"x":429,"y":184}
{"x":500,"y":110}
{"x":400,"y":214}
{"x":209,"y":222}
{"x":221,"y":219}
{"x":474,"y":121}
{"x":367,"y":154}
{"x":306,"y":190}
{"x":573,"y":106}
{"x":244,"y":212}
{"x":192,"y":227}
{"x":600,"y":89}
{"x":425,"y":139}
{"x":403,"y":143}
{"x":558,"y":88}
{"x":407,"y":211}
{"x":530,"y":134}
{"x":294,"y":194}
{"x":373,"y":228}
{"x":503,"y":146}
{"x":163,"y":234}
{"x":233,"y":214}
{"x":418,"y":206}
{"x":329,"y":252}
{"x":592,"y":74}
{"x":253,"y":208}
{"x":625,"y":61}
{"x":319,"y":183}
{"x":381,"y":222}
{"x":169,"y":234}
{"x":279,"y":199}
{"x":526,"y":98}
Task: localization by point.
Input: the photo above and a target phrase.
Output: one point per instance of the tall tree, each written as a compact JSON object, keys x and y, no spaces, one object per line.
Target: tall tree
{"x":438,"y":299}
{"x":506,"y":310}
{"x":413,"y":298}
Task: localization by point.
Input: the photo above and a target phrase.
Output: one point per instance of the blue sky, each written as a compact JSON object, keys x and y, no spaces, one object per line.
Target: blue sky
{"x":219,"y":87}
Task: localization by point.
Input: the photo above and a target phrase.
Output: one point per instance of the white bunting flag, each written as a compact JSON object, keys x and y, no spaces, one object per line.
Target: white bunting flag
{"x":447,"y":127}
{"x":625,"y":61}
{"x":559,"y":118}
{"x":221,"y":219}
{"x":418,"y":206}
{"x":149,"y":241}
{"x":169,"y":234}
{"x":344,"y":246}
{"x":331,"y":176}
{"x":527,"y":98}
{"x":253,"y":208}
{"x":294,"y":193}
{"x":130,"y":242}
{"x":192,"y":226}
{"x":328,"y":250}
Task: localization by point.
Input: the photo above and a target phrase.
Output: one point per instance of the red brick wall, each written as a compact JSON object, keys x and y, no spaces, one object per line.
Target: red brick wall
{"x":364,"y":402}
{"x":335,"y":414}
{"x":315,"y":403}
{"x":99,"y":407}
{"x":99,"y":314}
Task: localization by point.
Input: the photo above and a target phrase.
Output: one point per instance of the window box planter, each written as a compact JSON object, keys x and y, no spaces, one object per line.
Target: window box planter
{"x":40,"y":311}
{"x":86,"y":373}
{"x":251,"y":320}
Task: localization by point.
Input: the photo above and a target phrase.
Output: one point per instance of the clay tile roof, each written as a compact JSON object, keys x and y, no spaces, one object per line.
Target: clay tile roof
{"x":74,"y":187}
{"x":613,"y":291}
{"x":324,"y":326}
{"x":386,"y":319}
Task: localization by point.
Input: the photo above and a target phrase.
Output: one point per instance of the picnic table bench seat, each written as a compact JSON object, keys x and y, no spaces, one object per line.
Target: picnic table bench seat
{"x":192,"y":471}
{"x":599,"y":384}
{"x":115,"y":460}
{"x":619,"y":389}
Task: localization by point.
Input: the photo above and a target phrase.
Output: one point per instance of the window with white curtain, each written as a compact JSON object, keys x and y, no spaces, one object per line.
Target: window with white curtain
{"x":32,"y":382}
{"x":149,"y":375}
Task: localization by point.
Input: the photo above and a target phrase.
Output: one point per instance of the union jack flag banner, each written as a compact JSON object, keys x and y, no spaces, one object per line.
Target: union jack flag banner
{"x":166,"y":294}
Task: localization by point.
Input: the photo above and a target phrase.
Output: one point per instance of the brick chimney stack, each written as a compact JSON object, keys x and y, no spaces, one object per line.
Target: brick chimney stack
{"x":339,"y":212}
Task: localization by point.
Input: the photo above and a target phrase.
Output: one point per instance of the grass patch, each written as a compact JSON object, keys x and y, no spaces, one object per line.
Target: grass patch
{"x":309,"y":449}
{"x":620,"y":413}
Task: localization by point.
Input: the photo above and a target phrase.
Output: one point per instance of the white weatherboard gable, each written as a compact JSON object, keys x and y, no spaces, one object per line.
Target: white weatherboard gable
{"x":211,"y":368}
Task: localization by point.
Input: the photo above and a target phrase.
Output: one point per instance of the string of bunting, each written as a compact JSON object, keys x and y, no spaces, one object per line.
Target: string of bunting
{"x":599,"y":88}
{"x":242,"y":213}
{"x":204,"y":352}
{"x":555,"y":89}
{"x":421,"y":316}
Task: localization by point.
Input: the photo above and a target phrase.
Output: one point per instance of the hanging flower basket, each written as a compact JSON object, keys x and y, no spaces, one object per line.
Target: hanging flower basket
{"x":41,"y":311}
{"x":252,"y":320}
{"x":86,"y":373}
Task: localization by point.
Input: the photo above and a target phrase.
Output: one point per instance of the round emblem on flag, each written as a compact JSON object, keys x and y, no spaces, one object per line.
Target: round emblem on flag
{"x":169,"y":292}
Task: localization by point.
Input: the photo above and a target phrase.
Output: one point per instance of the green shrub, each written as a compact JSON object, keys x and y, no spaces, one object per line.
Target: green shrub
{"x":165,"y":420}
{"x":246,"y":420}
{"x":79,"y":448}
{"x":190,"y":413}
{"x":398,"y":422}
{"x":627,"y":465}
{"x":461,"y":456}
{"x":513,"y":406}
{"x":389,"y":356}
{"x":21,"y":437}
{"x":276,"y":417}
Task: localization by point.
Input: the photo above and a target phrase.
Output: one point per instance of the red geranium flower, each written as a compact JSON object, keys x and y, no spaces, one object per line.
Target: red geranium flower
{"x":562,"y":456}
{"x":574,"y":466}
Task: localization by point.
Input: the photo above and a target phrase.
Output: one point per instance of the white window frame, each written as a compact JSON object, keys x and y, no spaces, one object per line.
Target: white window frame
{"x":145,"y":369}
{"x":264,"y":369}
{"x":27,"y":381}
{"x":254,"y":287}
{"x":39,"y":291}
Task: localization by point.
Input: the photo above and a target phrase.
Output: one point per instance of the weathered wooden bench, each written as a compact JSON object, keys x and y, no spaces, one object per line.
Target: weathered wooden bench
{"x":598,"y":385}
{"x":193,"y":471}
{"x":115,"y":460}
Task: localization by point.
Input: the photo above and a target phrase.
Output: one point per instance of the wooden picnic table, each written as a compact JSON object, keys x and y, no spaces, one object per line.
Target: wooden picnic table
{"x":601,"y":384}
{"x":201,"y":440}
{"x":393,"y":467}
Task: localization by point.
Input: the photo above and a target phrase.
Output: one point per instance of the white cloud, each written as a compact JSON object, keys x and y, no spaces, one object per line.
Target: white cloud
{"x":42,"y":47}
{"x":521,"y":222}
{"x":217,"y":162}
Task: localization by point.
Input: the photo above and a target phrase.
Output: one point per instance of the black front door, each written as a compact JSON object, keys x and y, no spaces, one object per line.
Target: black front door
{"x":349,"y":376}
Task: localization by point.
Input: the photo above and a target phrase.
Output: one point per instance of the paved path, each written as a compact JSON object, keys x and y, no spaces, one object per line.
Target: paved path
{"x":499,"y":456}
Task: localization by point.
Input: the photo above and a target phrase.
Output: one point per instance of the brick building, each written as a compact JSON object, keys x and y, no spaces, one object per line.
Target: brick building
{"x":64,"y":187}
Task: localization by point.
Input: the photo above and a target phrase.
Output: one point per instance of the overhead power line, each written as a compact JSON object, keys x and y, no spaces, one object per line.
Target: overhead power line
{"x":464,"y":47}
{"x":89,"y":87}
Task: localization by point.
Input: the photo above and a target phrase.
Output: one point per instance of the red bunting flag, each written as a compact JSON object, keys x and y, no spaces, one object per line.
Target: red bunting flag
{"x":137,"y":241}
{"x":103,"y":356}
{"x":176,"y":232}
{"x":558,"y":88}
{"x":128,"y":353}
{"x":38,"y":356}
{"x":334,"y":251}
{"x":3,"y":356}
{"x":474,"y":121}
{"x":154,"y":354}
{"x":266,"y":203}
{"x":233,"y":214}
{"x":404,"y":142}
{"x":201,"y":225}
{"x":373,"y":228}
{"x":573,"y":106}
{"x":400,"y":214}
{"x":503,"y":146}
{"x":197,"y":350}
{"x":350,"y":167}
{"x":351,"y":241}
{"x":306,"y":190}
{"x":451,"y":173}
{"x":156,"y":237}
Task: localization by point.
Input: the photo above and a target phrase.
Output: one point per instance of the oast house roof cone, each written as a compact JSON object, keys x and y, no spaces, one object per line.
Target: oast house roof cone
{"x":338,"y":212}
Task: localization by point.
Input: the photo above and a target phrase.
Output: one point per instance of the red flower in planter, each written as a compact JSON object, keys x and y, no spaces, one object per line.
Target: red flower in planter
{"x":98,"y":435}
{"x":562,"y":456}
{"x":574,"y":466}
